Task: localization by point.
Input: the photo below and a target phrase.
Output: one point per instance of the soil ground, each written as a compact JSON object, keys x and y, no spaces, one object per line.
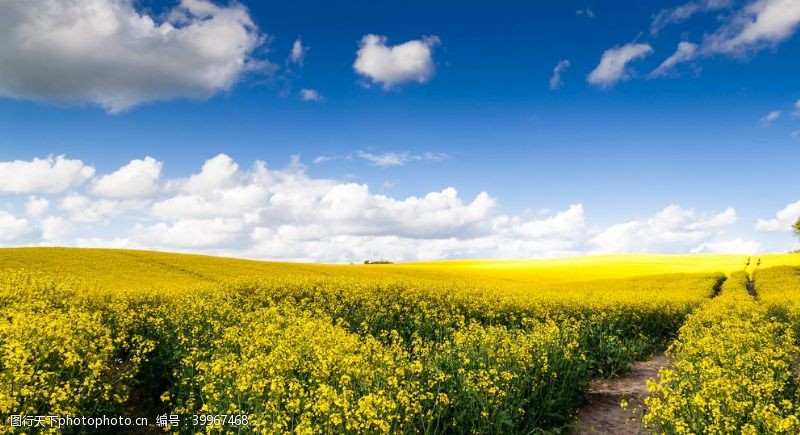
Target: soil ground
{"x":603,"y":413}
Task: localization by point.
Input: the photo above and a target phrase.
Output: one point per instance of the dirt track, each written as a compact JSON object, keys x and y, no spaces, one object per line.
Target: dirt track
{"x":603,"y":413}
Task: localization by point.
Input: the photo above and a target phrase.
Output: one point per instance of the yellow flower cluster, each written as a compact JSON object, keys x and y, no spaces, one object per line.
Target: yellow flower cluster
{"x":732,"y":371}
{"x":58,"y":354}
{"x":291,"y":371}
{"x":467,"y":348}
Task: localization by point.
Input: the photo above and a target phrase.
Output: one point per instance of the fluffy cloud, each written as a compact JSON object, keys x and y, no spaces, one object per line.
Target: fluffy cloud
{"x":673,"y":229}
{"x":686,"y":51}
{"x":388,"y":65}
{"x":783,"y":221}
{"x":760,"y":24}
{"x":613,"y":66}
{"x":217,"y":172}
{"x":262,"y":212}
{"x":35,"y":207}
{"x":108,"y":53}
{"x":734,"y":246}
{"x":80,"y":208}
{"x":56,"y":228}
{"x":51,"y":175}
{"x":12,"y":228}
{"x":190,"y":234}
{"x":555,"y":79}
{"x":310,"y":95}
{"x":137,"y":179}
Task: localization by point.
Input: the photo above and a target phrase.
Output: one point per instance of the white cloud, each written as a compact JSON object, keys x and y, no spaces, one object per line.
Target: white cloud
{"x":36,"y":207}
{"x":411,"y":61}
{"x":137,"y":179}
{"x":12,"y":228}
{"x":231,"y":202}
{"x":673,"y":229}
{"x":310,"y":95}
{"x":760,"y":24}
{"x":80,"y":208}
{"x":323,"y":159}
{"x":757,"y":25}
{"x":56,"y":228}
{"x":770,"y":117}
{"x":107,"y":53}
{"x":217,"y":172}
{"x":796,"y":134}
{"x":555,"y":79}
{"x":587,"y":12}
{"x":797,"y":108}
{"x":614,"y":62}
{"x":783,"y":221}
{"x":394,"y":158}
{"x":298,"y":53}
{"x":260,"y":212}
{"x":734,"y":246}
{"x":189,"y":234}
{"x":384,"y":159}
{"x":684,"y":12}
{"x":51,"y":175}
{"x":685,"y":52}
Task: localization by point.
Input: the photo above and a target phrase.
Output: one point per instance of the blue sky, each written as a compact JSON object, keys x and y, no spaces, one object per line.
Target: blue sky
{"x":471,"y":107}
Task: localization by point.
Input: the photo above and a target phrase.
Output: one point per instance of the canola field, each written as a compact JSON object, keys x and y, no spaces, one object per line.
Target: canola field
{"x":443,"y":347}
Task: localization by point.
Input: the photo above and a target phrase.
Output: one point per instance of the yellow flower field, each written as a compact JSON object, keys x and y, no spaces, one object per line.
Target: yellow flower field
{"x":450,"y":347}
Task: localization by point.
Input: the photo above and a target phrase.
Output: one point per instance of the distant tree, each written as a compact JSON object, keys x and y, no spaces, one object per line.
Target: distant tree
{"x":796,"y":228}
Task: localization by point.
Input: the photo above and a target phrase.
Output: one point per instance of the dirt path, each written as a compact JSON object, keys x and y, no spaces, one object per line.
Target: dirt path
{"x":603,"y":413}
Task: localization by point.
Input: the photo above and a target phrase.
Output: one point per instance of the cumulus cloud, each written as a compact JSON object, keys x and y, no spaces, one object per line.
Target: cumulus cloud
{"x":108,"y":53}
{"x":760,"y":24}
{"x":310,"y":95}
{"x":284,"y":213}
{"x":613,"y":66}
{"x":190,"y":234}
{"x":36,"y":207}
{"x":685,"y":52}
{"x":734,"y":246}
{"x":217,"y":172}
{"x":684,"y":12}
{"x":80,"y":208}
{"x":673,"y":229}
{"x":12,"y":228}
{"x":51,"y":175}
{"x":783,"y":221}
{"x":391,"y":65}
{"x":555,"y":79}
{"x":137,"y":179}
{"x":56,"y":228}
